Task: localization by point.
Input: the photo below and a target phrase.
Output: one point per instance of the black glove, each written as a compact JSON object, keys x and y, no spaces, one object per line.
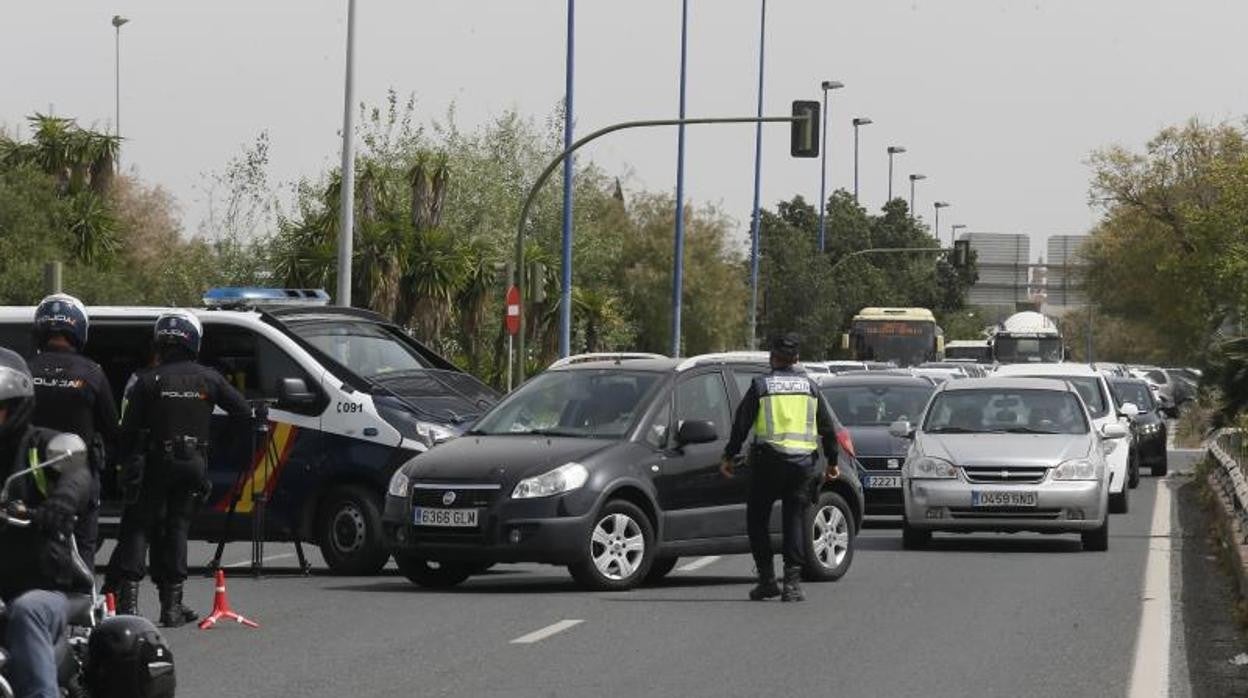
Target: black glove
{"x":131,"y":479}
{"x":56,"y":516}
{"x":204,"y":493}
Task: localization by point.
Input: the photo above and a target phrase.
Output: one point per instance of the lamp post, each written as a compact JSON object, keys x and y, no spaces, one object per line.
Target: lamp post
{"x":346,"y":207}
{"x":953,"y":232}
{"x":938,"y":205}
{"x":118,"y":21}
{"x":678,"y":254}
{"x":565,"y":300}
{"x":823,"y":163}
{"x":758,"y":164}
{"x":858,"y":121}
{"x":892,"y":150}
{"x":914,"y":178}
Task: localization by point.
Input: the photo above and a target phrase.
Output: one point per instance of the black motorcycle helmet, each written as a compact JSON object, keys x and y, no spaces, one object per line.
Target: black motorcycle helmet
{"x":178,"y":332}
{"x":17,"y":393}
{"x":127,"y":657}
{"x":64,"y":315}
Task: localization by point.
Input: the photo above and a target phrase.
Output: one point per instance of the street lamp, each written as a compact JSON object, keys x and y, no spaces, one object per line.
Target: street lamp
{"x":858,"y":121}
{"x":892,"y":150}
{"x":823,"y":164}
{"x":678,"y":255}
{"x":953,"y":232}
{"x":914,"y":178}
{"x":758,"y":170}
{"x":938,"y":205}
{"x":346,"y":205}
{"x":118,"y":20}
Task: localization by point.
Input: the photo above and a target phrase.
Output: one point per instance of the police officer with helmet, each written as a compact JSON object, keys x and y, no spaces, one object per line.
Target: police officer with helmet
{"x":165,"y":429}
{"x":73,"y":395}
{"x":789,"y":417}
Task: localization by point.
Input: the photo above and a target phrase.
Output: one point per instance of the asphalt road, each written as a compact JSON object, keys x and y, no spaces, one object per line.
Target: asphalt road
{"x":995,"y":615}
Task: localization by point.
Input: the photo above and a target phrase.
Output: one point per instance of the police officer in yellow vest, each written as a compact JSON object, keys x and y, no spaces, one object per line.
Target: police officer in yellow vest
{"x":789,"y":417}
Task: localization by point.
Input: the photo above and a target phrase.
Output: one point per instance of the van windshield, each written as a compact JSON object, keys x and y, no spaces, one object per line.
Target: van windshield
{"x":367,"y":349}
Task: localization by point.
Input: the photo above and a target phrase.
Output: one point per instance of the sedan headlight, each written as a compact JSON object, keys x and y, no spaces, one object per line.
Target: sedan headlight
{"x":926,"y":468}
{"x":399,"y":484}
{"x":565,"y":478}
{"x":1077,"y":469}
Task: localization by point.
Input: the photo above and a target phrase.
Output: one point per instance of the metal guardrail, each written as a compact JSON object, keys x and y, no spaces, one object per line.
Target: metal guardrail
{"x":1230,"y":449}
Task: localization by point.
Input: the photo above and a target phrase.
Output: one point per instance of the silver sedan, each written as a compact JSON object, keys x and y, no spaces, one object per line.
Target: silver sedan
{"x":993,"y":454}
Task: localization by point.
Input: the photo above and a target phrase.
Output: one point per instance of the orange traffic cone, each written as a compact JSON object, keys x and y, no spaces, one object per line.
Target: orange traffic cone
{"x":221,"y":608}
{"x":110,"y":605}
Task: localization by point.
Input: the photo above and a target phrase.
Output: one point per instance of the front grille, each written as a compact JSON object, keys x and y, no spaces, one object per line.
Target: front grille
{"x":1004,"y":513}
{"x":999,"y":475}
{"x":432,"y":495}
{"x":881,"y":463}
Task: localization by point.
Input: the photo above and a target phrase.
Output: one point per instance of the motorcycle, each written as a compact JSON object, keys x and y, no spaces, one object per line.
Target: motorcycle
{"x":139,"y":665}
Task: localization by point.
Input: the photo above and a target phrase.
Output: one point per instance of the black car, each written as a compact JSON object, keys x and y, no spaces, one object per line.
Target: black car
{"x":607,"y":466}
{"x":866,"y":404}
{"x":1148,"y":428}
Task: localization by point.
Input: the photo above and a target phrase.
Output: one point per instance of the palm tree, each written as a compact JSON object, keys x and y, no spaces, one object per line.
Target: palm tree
{"x":103,"y":162}
{"x":478,"y":288}
{"x":433,"y":274}
{"x":92,"y":228}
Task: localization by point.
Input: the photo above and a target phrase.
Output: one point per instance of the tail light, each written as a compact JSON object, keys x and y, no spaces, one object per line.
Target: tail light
{"x":845,"y":441}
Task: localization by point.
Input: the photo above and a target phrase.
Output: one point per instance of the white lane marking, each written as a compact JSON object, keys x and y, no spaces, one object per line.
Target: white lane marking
{"x":539,"y":635}
{"x":266,"y":558}
{"x":698,"y":564}
{"x":1151,"y":673}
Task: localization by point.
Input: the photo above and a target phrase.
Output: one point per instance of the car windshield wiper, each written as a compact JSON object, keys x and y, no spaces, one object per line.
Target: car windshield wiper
{"x":1027,"y":430}
{"x":953,"y":430}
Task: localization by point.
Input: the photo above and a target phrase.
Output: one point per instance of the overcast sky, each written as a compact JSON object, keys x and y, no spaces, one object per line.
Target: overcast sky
{"x":998,"y":101}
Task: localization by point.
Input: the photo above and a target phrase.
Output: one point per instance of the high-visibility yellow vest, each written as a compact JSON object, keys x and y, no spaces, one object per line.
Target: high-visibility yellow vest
{"x":786,"y":414}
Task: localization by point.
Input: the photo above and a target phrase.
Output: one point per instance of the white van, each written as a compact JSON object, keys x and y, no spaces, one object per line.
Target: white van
{"x":352,"y":398}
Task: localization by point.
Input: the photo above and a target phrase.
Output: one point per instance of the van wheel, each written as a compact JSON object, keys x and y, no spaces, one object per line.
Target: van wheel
{"x":432,"y":574}
{"x":662,"y":567}
{"x":619,"y":550}
{"x":830,"y":545}
{"x":1118,"y":502}
{"x":914,"y":538}
{"x":348,"y":530}
{"x":1096,"y":540}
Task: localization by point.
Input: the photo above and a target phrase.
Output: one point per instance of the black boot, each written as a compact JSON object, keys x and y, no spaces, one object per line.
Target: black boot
{"x":172,"y":613}
{"x":127,"y":598}
{"x":792,"y":585}
{"x":766,"y":587}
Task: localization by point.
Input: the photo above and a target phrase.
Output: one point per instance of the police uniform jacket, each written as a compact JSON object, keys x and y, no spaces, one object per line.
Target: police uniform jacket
{"x":175,"y":400}
{"x":72,"y":395}
{"x":789,"y":416}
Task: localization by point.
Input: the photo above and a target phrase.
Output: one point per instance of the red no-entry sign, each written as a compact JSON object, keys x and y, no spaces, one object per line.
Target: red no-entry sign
{"x":513,"y":310}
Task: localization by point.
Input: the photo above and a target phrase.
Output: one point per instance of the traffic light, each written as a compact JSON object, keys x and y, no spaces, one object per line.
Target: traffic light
{"x":962,"y":254}
{"x":804,"y":130}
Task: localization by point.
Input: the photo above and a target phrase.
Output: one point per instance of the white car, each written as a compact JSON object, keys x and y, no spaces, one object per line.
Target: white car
{"x":1094,"y":390}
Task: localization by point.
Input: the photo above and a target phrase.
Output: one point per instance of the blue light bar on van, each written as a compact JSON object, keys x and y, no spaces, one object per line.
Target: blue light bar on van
{"x":243,"y":297}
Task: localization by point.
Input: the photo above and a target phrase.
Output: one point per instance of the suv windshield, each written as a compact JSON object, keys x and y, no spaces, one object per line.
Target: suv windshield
{"x":876,"y":405}
{"x":1136,"y":392}
{"x":586,"y":403}
{"x":1009,"y":411}
{"x":1089,"y":388}
{"x":366,"y":348}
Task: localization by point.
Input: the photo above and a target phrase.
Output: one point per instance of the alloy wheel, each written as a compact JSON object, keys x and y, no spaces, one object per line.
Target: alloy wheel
{"x":617,"y":546}
{"x":830,"y":536}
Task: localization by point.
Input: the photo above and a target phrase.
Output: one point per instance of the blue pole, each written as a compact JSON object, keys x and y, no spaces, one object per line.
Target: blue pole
{"x":678,"y":254}
{"x":758,"y":165}
{"x":565,"y":301}
{"x":823,"y":170}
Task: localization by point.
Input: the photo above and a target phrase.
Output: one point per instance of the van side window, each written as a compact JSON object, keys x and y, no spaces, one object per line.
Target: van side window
{"x":252,"y":363}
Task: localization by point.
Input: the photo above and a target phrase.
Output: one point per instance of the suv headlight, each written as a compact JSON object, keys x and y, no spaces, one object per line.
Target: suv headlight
{"x":565,"y":478}
{"x":1150,"y":429}
{"x":1077,"y":469}
{"x":399,"y":484}
{"x":927,"y":468}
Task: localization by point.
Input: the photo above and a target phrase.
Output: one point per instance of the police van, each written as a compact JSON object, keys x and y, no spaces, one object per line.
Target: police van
{"x":351,"y":397}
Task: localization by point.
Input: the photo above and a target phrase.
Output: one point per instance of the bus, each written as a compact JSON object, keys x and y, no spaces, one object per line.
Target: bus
{"x":976,"y":350}
{"x":1027,"y":337}
{"x":904,"y":336}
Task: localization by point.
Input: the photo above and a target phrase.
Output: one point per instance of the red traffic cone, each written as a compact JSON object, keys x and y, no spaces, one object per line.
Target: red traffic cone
{"x":110,"y":605}
{"x":221,"y":608}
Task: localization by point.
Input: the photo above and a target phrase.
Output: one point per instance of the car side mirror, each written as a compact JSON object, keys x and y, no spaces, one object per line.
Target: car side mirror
{"x":293,"y":392}
{"x":1129,"y":409}
{"x":1113,"y":431}
{"x":696,"y":431}
{"x":901,"y":429}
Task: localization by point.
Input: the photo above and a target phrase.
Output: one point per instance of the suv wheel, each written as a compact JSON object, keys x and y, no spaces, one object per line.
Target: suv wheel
{"x":432,"y":574}
{"x":1118,"y":502}
{"x":1096,"y":540}
{"x":914,"y":538}
{"x":1161,"y":467}
{"x":348,"y":530}
{"x":830,"y":547}
{"x":619,"y":551}
{"x":1133,"y":470}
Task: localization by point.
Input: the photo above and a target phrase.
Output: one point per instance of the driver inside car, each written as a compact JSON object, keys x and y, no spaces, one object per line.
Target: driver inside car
{"x":39,"y":570}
